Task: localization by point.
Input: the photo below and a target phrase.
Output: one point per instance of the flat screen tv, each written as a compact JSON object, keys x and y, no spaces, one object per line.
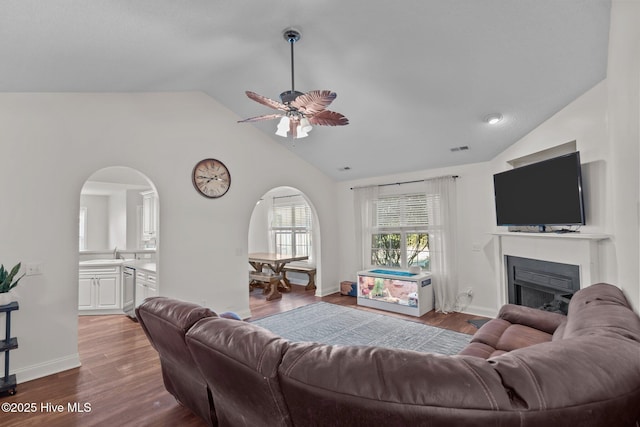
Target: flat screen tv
{"x":543,"y":193}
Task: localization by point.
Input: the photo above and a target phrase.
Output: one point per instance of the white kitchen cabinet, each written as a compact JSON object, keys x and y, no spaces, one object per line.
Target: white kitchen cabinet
{"x":149,"y":215}
{"x":99,"y":289}
{"x":146,"y":285}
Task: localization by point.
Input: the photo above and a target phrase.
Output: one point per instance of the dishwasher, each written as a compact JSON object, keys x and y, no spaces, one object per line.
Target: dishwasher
{"x":129,"y":291}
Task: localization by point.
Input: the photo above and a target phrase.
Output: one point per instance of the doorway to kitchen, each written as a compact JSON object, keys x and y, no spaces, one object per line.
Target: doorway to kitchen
{"x":284,"y":225}
{"x":118,"y":237}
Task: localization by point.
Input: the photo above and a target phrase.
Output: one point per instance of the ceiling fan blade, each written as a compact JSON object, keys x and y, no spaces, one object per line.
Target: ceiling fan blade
{"x":313,"y":102}
{"x":260,"y":118}
{"x":329,"y":118}
{"x":267,"y":101}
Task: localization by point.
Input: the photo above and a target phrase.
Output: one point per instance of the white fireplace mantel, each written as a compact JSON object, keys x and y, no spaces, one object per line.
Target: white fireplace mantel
{"x":579,"y":249}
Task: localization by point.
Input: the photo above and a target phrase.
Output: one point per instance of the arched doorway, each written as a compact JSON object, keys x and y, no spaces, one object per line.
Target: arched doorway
{"x":118,"y":240}
{"x":285,"y":221}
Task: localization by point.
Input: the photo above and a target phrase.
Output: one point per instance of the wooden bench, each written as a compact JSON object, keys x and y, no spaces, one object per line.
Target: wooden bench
{"x":309,"y":271}
{"x":266,"y":280}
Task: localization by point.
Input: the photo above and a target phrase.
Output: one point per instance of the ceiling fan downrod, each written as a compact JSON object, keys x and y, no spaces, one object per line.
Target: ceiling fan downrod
{"x":291,"y":36}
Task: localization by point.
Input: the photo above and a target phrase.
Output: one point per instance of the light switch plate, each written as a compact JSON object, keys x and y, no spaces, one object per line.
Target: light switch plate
{"x":33,"y":269}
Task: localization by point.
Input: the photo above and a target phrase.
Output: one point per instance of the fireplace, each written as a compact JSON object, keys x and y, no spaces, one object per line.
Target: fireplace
{"x":541,"y":284}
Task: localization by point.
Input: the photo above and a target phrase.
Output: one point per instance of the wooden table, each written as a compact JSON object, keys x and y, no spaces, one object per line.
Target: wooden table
{"x":276,"y":263}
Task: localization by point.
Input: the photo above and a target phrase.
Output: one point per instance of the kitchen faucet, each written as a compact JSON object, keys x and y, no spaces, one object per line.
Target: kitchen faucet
{"x":115,"y":253}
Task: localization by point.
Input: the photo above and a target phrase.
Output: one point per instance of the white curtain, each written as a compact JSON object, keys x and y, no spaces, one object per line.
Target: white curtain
{"x":364,"y":218}
{"x":441,"y":192}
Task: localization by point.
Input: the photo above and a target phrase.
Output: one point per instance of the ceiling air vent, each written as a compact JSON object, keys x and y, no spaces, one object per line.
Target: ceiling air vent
{"x":461,"y":148}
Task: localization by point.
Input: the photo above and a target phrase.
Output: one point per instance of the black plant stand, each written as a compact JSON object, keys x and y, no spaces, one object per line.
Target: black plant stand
{"x":8,"y":382}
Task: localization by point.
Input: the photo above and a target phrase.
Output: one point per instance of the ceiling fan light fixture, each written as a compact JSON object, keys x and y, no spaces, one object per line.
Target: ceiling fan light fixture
{"x":305,"y":125}
{"x":300,"y":133}
{"x":283,"y":127}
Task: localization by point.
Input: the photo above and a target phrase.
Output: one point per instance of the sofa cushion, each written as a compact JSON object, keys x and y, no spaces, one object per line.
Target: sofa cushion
{"x":558,"y":334}
{"x":499,"y":336}
{"x":165,"y":321}
{"x":542,"y":320}
{"x":479,"y":349}
{"x":240,"y":361}
{"x":365,"y":386}
{"x":520,"y":336}
{"x":602,"y":309}
{"x":582,"y":381}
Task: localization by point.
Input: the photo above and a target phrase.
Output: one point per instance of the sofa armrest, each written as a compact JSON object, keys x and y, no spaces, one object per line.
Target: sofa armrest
{"x":545,"y":321}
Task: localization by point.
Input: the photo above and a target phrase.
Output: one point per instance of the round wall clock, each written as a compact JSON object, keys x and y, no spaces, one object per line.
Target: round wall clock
{"x":211,"y":178}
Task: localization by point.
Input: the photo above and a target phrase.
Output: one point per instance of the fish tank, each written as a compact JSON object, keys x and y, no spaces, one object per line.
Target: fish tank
{"x":396,"y":290}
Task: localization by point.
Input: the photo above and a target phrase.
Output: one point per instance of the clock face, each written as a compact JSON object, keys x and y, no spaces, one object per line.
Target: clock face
{"x":211,"y":178}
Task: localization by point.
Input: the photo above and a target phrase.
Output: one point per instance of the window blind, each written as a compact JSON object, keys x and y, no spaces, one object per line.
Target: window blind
{"x":291,"y":212}
{"x":403,"y":211}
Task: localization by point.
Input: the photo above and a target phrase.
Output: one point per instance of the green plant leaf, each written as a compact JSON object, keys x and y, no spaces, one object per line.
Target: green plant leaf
{"x":6,"y":280}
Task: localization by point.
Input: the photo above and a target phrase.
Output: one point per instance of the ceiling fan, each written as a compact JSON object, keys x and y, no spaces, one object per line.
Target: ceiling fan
{"x":298,"y":111}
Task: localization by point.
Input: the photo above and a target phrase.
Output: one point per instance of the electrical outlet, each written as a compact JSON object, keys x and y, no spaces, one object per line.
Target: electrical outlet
{"x":33,"y":269}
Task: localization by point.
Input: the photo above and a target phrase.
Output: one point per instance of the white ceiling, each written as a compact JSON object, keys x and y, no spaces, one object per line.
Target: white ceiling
{"x":414,"y":77}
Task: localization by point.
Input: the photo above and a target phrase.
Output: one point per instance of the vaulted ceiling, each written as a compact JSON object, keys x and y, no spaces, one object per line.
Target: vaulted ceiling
{"x":416,"y":78}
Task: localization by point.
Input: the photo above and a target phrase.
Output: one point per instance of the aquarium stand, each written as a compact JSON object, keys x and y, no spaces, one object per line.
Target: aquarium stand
{"x":396,"y":290}
{"x":8,"y":382}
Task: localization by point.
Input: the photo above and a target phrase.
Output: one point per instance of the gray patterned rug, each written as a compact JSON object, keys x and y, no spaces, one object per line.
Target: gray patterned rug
{"x":334,"y":324}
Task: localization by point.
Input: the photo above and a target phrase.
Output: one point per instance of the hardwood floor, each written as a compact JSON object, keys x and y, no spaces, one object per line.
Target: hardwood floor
{"x":119,"y":382}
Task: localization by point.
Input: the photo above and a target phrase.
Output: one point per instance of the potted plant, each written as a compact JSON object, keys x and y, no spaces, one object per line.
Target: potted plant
{"x":7,"y":283}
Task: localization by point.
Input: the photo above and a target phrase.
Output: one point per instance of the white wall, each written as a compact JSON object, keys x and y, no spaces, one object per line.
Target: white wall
{"x":118,"y":220}
{"x":202,"y":243}
{"x":97,"y":221}
{"x":108,"y":224}
{"x":623,"y":75}
{"x":134,"y":205}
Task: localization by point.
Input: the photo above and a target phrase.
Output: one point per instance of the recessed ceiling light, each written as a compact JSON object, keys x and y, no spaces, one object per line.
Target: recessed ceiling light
{"x":494,"y":118}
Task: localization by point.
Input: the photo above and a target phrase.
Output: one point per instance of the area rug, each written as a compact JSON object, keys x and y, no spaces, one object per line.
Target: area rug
{"x":334,"y":324}
{"x":478,"y":322}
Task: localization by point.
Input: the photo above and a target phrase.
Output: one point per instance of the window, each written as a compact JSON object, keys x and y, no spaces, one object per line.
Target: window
{"x":291,"y":226}
{"x":83,"y":229}
{"x":400,"y":234}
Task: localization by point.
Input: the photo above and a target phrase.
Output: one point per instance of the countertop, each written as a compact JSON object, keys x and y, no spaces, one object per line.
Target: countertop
{"x":142,"y":264}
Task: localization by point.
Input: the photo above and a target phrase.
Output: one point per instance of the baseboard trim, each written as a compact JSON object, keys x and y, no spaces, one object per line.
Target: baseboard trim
{"x":480,"y":311}
{"x":47,"y":368}
{"x":322,"y":292}
{"x":244,"y":314}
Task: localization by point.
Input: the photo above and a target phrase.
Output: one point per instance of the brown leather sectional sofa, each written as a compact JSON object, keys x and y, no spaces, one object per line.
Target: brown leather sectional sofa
{"x":525,"y":368}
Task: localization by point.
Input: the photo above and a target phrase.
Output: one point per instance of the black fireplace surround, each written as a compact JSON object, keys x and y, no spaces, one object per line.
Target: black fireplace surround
{"x":541,"y":284}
